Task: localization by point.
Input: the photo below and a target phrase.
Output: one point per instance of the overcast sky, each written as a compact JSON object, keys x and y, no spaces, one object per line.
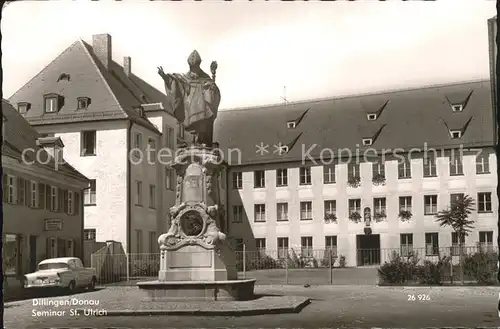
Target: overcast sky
{"x":314,"y":49}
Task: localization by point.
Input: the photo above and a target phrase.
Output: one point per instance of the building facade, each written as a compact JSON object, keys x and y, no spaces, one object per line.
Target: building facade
{"x":42,"y":199}
{"x":108,"y":118}
{"x":402,"y":156}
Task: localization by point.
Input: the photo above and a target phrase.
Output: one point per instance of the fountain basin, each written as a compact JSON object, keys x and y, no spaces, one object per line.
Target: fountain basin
{"x":198,"y":290}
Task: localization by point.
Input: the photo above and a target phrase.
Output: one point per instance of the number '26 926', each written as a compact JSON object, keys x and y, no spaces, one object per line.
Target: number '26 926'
{"x":420,"y":297}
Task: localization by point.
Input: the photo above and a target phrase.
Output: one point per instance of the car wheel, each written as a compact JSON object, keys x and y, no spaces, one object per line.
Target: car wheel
{"x":92,"y":284}
{"x":71,"y":287}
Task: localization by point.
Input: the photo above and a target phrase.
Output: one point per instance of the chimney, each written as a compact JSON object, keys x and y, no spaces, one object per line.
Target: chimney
{"x":54,"y":146}
{"x":102,"y":48}
{"x":127,"y":65}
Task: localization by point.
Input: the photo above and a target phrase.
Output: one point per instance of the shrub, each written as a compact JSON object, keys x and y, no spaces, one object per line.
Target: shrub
{"x":354,"y":181}
{"x":399,"y":269}
{"x":145,"y":268}
{"x":329,"y":258}
{"x":432,"y":273}
{"x":482,"y":266}
{"x":378,"y":179}
{"x":263,"y":262}
{"x":330,"y":218}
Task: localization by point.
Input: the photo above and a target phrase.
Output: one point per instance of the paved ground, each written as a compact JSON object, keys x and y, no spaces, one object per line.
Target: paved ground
{"x":331,"y":306}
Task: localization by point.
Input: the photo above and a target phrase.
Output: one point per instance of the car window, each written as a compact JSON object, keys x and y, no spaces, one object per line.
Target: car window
{"x":71,"y":264}
{"x":50,"y":266}
{"x":78,"y":263}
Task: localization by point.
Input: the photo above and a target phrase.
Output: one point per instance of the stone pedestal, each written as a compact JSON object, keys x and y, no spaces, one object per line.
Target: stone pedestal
{"x":196,"y":262}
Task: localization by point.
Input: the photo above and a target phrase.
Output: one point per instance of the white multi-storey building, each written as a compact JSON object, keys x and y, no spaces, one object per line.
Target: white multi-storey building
{"x":307,"y":178}
{"x":101,"y":111}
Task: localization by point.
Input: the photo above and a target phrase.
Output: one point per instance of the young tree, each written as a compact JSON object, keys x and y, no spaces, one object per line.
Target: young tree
{"x":457,"y":217}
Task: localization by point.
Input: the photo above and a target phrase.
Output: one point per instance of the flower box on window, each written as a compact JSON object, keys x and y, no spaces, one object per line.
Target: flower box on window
{"x":330,"y":218}
{"x":378,"y":179}
{"x":379,"y":216}
{"x":405,"y":215}
{"x":355,"y":217}
{"x":354,"y":181}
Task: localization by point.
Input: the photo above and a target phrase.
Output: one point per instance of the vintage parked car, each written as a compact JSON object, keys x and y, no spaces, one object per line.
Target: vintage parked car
{"x":67,"y":273}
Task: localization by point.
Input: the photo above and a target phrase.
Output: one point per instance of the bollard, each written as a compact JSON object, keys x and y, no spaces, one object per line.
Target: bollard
{"x":331,"y":265}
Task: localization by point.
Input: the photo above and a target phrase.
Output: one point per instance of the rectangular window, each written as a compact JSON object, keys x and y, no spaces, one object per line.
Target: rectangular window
{"x":33,"y":200}
{"x":260,"y":244}
{"x":486,"y":241}
{"x":90,"y":193}
{"x":70,"y":206}
{"x":404,"y":168}
{"x":21,"y":191}
{"x":305,"y":176}
{"x":456,"y":197}
{"x":378,"y":169}
{"x":282,"y":211}
{"x":430,"y":166}
{"x":50,"y":104}
{"x":152,"y":149}
{"x":12,"y":189}
{"x":281,"y":177}
{"x":431,"y":244}
{"x":405,"y":203}
{"x":329,"y":174}
{"x":406,"y":244}
{"x":41,"y":196}
{"x":180,"y":130}
{"x":430,"y":204}
{"x":137,"y":144}
{"x":153,"y":243}
{"x":48,"y":197}
{"x":456,"y":165}
{"x":306,"y":244}
{"x":353,"y":170}
{"x":11,"y":254}
{"x":138,"y":193}
{"x":169,"y":137}
{"x":354,"y":206}
{"x":54,"y":198}
{"x":237,"y":180}
{"x":330,"y":208}
{"x":484,"y":202}
{"x":482,"y":163}
{"x":259,"y":179}
{"x":152,"y":196}
{"x":455,"y":246}
{"x":306,"y":210}
{"x":169,"y":178}
{"x":331,"y":244}
{"x":88,"y":145}
{"x":260,"y":213}
{"x":237,"y":214}
{"x":89,"y":234}
{"x":282,"y":248}
{"x":138,"y":241}
{"x":379,"y":206}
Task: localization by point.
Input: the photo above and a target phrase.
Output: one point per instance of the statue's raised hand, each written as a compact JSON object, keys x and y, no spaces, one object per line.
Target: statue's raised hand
{"x":160,"y":72}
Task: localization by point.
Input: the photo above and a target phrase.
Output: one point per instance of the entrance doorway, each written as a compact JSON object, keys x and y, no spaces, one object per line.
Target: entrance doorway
{"x":33,"y":259}
{"x":368,"y":249}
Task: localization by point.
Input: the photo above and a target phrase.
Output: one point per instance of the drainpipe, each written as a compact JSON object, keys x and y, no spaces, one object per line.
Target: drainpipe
{"x":129,"y":189}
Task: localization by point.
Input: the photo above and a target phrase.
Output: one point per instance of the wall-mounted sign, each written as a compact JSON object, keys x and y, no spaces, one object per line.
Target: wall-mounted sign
{"x":53,"y":225}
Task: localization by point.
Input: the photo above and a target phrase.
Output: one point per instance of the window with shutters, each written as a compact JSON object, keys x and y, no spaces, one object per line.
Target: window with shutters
{"x":11,"y":189}
{"x":70,"y":251}
{"x":33,"y":194}
{"x":152,"y":196}
{"x":138,"y":193}
{"x":65,"y":201}
{"x":51,"y":247}
{"x":53,"y":198}
{"x":70,"y":209}
{"x":77,"y":198}
{"x":21,"y":191}
{"x":41,"y":195}
{"x":169,"y":137}
{"x":48,"y":198}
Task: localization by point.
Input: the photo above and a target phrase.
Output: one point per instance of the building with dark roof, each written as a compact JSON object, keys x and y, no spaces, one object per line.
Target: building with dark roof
{"x":101,"y":110}
{"x":42,"y":198}
{"x":305,"y":175}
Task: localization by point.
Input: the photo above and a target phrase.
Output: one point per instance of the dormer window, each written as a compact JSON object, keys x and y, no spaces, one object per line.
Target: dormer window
{"x":51,"y":103}
{"x":367,"y":141}
{"x":140,"y":110}
{"x":83,"y":102}
{"x":371,"y":116}
{"x":23,"y":107}
{"x":457,"y":107}
{"x":455,"y":134}
{"x":291,"y":124}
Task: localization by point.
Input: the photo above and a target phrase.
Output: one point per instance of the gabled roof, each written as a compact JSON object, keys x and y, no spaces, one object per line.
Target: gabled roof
{"x":411,"y":119}
{"x":19,"y":135}
{"x":113,"y":94}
